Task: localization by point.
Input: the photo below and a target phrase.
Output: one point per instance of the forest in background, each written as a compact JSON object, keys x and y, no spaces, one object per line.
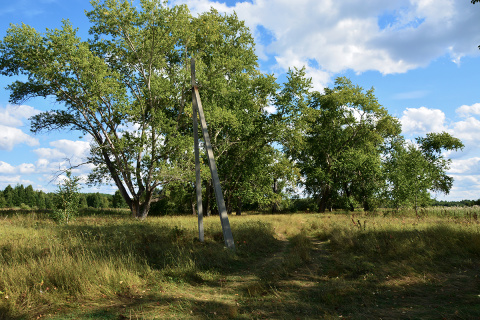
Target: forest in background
{"x":20,"y":197}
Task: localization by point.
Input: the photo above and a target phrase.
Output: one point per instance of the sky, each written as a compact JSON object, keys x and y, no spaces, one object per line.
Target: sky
{"x":420,"y":56}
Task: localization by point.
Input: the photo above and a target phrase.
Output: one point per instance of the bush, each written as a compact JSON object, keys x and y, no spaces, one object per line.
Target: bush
{"x":67,"y":199}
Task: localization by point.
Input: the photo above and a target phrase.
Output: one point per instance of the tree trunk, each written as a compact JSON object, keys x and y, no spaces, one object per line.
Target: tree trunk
{"x":228,"y":204}
{"x":239,"y":206}
{"x":323,"y":200}
{"x":192,"y":203}
{"x":140,"y":209}
{"x":366,"y":205}
{"x":208,"y":194}
{"x":275,"y":208}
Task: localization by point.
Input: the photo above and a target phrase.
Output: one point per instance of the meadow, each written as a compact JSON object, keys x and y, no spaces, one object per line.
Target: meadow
{"x":105,"y":265}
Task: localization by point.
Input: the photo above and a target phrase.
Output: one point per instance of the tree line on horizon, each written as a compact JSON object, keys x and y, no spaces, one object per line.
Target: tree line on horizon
{"x":20,"y":197}
{"x":129,"y":88}
{"x":27,"y":198}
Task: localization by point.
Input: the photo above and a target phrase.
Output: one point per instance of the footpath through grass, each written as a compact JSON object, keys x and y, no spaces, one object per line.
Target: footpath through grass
{"x":300,"y":266}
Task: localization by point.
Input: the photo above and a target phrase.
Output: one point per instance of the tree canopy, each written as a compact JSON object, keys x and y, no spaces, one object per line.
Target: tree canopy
{"x":127,"y":88}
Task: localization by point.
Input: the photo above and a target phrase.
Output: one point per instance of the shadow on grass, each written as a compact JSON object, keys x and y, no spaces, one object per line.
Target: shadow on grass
{"x":414,"y":274}
{"x":157,"y":307}
{"x":175,"y":247}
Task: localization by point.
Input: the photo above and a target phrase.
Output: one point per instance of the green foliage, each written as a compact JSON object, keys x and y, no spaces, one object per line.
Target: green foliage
{"x":127,"y":87}
{"x":67,"y":199}
{"x":337,"y":143}
{"x":412,"y":171}
{"x":118,"y":201}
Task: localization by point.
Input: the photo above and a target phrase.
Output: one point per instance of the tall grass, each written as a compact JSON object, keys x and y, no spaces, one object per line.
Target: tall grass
{"x":284,"y":266}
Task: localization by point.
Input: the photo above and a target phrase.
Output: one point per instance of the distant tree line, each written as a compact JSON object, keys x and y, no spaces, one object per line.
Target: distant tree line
{"x":28,"y":198}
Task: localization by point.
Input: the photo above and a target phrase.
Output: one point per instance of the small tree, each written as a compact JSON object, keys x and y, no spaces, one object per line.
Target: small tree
{"x":67,"y":199}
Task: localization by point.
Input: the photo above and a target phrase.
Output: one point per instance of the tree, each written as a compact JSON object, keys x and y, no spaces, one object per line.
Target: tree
{"x":67,"y":199}
{"x":94,"y":200}
{"x":41,"y":200}
{"x":412,"y":170}
{"x":338,"y":138}
{"x":127,"y":87}
{"x":118,"y":201}
{"x":30,"y":198}
{"x":18,"y":195}
{"x":8,"y":194}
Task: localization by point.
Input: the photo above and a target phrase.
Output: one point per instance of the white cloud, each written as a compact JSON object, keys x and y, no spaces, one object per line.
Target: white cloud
{"x":468,"y":130}
{"x":422,"y":120}
{"x":386,"y":36}
{"x":26,"y":168}
{"x":469,"y":110}
{"x":12,"y":116}
{"x":6,"y":168}
{"x":48,"y":153}
{"x":9,"y":137}
{"x":464,"y":187}
{"x":64,"y":149}
{"x":79,"y":149}
{"x":13,"y":181}
{"x":465,"y":166}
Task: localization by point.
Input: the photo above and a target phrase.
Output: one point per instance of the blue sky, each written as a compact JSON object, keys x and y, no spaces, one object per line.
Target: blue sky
{"x":421,"y":56}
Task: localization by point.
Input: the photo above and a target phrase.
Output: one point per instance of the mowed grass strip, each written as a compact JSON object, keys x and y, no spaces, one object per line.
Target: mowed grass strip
{"x":296,"y":266}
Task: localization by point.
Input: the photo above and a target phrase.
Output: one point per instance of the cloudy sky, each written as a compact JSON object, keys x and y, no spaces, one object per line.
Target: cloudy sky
{"x":421,"y":56}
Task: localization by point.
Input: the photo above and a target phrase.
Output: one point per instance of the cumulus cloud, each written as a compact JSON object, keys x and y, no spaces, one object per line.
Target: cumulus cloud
{"x":9,"y":137}
{"x":6,"y":168}
{"x":465,"y":110}
{"x":71,"y":148}
{"x":12,"y":116}
{"x":465,"y":166}
{"x":26,"y":168}
{"x":13,"y":181}
{"x":64,"y":149}
{"x":386,"y":36}
{"x":464,"y":187}
{"x":422,"y":120}
{"x":468,"y":130}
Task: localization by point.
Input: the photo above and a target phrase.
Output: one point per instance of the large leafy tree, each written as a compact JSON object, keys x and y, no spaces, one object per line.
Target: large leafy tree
{"x":127,"y":87}
{"x":413,"y":170}
{"x":338,"y":141}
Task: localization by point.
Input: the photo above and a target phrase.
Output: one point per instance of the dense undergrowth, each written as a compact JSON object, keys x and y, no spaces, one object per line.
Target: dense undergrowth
{"x":107,"y":266}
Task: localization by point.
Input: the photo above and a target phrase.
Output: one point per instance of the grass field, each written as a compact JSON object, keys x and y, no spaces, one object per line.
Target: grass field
{"x":388,"y":265}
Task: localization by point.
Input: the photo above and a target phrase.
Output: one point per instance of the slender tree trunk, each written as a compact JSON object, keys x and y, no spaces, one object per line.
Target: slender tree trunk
{"x":192,"y":204}
{"x":208,"y":194}
{"x":275,"y":208}
{"x":228,"y":204}
{"x":239,"y":206}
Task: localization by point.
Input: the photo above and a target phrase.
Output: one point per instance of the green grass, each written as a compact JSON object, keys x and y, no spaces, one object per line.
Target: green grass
{"x":389,"y":265}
